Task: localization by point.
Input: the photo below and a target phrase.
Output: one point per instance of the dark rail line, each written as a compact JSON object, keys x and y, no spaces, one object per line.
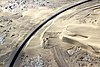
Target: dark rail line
{"x":40,"y":26}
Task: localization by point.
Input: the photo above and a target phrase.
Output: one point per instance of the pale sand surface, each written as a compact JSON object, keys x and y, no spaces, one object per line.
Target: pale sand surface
{"x":84,"y":33}
{"x":68,"y":37}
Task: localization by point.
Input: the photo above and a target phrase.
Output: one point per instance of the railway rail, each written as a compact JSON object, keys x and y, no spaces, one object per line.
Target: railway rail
{"x":19,"y":49}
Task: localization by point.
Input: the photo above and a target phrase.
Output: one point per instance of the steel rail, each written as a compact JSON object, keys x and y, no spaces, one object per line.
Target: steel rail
{"x":40,"y":26}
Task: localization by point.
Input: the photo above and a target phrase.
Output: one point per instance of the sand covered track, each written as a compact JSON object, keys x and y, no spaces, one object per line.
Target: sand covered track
{"x":92,"y":23}
{"x":59,"y":55}
{"x":74,"y":34}
{"x":21,"y":47}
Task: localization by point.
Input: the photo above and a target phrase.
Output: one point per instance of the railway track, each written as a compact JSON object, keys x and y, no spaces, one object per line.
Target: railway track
{"x":59,"y":56}
{"x":18,"y":50}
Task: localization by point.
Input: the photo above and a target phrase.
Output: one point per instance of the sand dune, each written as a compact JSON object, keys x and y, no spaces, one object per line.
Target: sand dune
{"x":89,"y":34}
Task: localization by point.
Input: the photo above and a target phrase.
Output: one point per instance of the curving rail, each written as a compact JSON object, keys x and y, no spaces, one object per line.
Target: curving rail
{"x":19,"y":49}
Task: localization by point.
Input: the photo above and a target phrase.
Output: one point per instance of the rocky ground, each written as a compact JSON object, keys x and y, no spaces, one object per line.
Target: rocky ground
{"x":74,"y":35}
{"x":17,"y":18}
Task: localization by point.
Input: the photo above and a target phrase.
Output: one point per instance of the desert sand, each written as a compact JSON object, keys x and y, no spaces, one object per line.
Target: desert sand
{"x":72,"y":39}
